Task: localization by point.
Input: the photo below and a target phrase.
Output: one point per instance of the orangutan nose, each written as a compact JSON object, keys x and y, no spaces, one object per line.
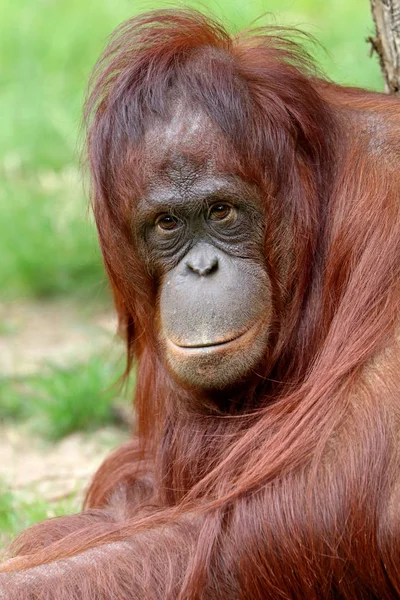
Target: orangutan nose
{"x":202,"y":261}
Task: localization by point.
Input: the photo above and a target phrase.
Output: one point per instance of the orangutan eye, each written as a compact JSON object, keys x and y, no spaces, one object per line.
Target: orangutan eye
{"x":167,"y":222}
{"x":220,"y":212}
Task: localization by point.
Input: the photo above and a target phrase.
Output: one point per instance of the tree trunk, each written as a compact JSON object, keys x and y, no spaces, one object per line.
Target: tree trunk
{"x":386,"y":14}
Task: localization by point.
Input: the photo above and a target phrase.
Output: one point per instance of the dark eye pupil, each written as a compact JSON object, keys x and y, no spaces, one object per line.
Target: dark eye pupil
{"x":167,"y":222}
{"x":219,"y":212}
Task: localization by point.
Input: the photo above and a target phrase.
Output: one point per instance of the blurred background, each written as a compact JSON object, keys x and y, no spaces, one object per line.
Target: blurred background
{"x":60,"y":408}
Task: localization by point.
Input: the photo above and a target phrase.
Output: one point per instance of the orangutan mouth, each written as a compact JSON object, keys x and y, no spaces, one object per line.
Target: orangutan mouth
{"x":239,"y":339}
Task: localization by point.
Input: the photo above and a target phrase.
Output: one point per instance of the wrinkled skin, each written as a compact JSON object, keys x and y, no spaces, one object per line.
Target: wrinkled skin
{"x":202,"y":233}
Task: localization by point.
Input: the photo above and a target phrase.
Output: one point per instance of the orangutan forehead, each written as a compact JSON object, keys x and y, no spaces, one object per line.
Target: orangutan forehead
{"x":187,"y":142}
{"x":186,"y":125}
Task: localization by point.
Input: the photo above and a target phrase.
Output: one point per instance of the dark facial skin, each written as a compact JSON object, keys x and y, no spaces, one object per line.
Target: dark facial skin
{"x":202,"y":236}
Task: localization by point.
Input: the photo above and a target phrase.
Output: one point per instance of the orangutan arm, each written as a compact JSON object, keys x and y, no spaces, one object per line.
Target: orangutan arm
{"x":145,"y":567}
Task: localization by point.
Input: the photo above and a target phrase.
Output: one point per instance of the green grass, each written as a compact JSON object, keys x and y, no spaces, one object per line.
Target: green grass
{"x":59,"y":401}
{"x":18,"y":511}
{"x":47,"y":243}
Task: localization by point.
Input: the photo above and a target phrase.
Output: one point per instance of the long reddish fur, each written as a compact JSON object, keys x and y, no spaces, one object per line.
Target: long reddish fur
{"x":295,"y":493}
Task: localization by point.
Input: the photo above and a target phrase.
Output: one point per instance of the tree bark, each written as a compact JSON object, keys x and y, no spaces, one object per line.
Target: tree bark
{"x":386,"y":43}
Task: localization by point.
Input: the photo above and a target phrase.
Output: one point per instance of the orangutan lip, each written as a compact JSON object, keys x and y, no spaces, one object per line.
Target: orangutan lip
{"x":210,"y":345}
{"x":243,"y":337}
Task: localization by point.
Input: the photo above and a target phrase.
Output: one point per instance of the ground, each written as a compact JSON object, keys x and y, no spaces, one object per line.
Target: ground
{"x":35,"y":336}
{"x":53,"y":471}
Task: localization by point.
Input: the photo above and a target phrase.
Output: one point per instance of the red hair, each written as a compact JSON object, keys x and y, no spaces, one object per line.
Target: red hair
{"x":290,"y":495}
